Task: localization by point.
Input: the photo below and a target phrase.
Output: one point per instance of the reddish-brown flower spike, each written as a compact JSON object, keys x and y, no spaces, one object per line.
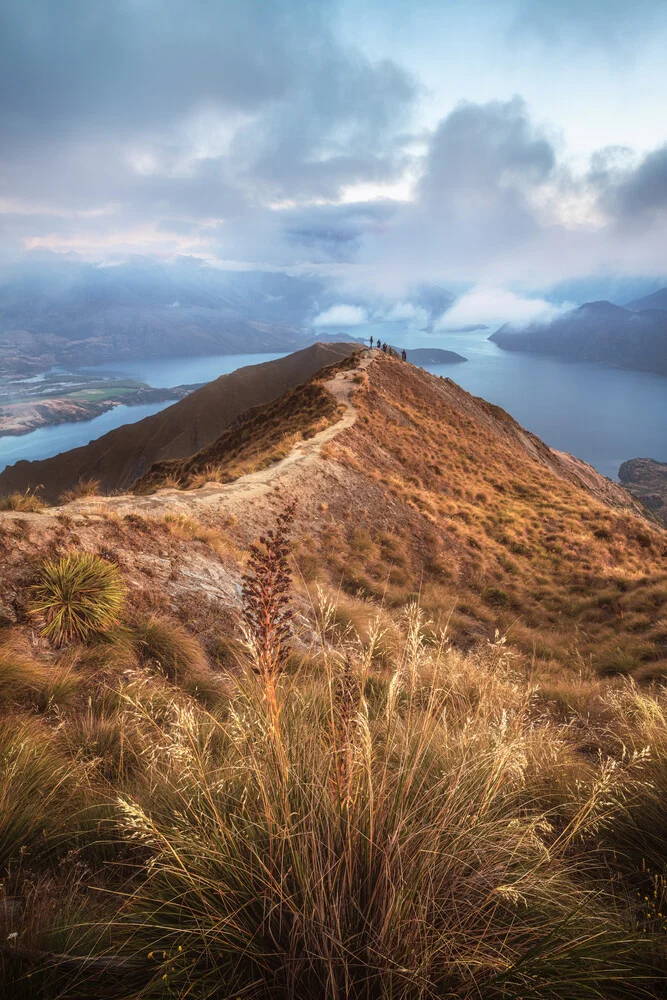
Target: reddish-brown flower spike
{"x":267,"y":607}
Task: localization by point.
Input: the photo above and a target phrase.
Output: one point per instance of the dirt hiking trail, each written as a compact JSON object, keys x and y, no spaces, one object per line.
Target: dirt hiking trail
{"x":231,"y":498}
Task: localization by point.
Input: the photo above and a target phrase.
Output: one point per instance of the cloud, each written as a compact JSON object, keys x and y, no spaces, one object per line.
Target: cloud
{"x":634,"y":192}
{"x":342,"y":315}
{"x":494,"y":306}
{"x":243,"y":132}
{"x":199,"y":113}
{"x":586,"y":23}
{"x":476,"y":202}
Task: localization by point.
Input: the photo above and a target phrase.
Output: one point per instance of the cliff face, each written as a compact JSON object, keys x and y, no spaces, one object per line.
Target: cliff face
{"x":597,"y":332}
{"x":121,"y":456}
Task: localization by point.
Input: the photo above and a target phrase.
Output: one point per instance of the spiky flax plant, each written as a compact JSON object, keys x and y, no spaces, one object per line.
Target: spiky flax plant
{"x":77,"y":597}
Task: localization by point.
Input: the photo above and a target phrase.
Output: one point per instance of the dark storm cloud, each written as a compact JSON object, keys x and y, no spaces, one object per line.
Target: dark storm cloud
{"x":637,"y":194}
{"x":189,"y":109}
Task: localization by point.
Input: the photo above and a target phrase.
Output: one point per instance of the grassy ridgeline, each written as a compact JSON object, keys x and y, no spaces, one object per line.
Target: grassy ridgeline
{"x":420,"y":824}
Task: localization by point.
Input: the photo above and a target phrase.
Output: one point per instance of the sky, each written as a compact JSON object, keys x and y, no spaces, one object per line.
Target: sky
{"x":496,"y":146}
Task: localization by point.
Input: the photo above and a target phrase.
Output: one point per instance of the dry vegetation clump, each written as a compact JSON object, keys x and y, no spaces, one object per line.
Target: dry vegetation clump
{"x":184,"y":528}
{"x":85,"y":487}
{"x":76,"y":597}
{"x":408,"y":834}
{"x":168,"y":645}
{"x":487,"y":525}
{"x":28,"y":502}
{"x":25,"y":682}
{"x":422,"y":823}
{"x":261,"y":436}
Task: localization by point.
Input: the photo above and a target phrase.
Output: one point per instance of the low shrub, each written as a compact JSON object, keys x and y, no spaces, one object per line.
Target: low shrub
{"x":84,"y":488}
{"x":28,"y":502}
{"x":78,"y":596}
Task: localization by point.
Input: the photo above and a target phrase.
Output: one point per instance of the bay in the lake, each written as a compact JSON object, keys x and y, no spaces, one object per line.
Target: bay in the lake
{"x":602,"y":415}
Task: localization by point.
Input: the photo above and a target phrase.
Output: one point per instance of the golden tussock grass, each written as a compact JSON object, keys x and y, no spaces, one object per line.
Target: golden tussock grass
{"x":424,"y":822}
{"x":500,"y":535}
{"x":28,"y":502}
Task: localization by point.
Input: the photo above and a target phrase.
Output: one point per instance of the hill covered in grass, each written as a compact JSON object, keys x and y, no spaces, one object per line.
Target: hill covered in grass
{"x":118,"y":458}
{"x":433,"y":491}
{"x":413,"y":746}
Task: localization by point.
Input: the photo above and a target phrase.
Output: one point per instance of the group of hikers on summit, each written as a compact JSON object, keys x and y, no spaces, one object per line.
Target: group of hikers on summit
{"x":387,"y":349}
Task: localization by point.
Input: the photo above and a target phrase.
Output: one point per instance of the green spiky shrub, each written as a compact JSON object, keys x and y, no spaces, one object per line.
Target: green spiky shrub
{"x":77,"y":597}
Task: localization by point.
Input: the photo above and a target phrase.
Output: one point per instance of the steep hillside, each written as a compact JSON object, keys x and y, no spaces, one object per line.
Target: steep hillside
{"x":598,"y":332}
{"x":421,"y":488}
{"x":261,"y":436}
{"x":122,"y":455}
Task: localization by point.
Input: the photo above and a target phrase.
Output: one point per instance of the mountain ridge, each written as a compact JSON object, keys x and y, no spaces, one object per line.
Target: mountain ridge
{"x":412,"y":486}
{"x":598,"y":332}
{"x":124,"y":454}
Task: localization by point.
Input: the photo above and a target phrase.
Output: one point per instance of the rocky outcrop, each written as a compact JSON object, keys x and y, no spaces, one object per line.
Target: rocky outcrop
{"x":646,"y":479}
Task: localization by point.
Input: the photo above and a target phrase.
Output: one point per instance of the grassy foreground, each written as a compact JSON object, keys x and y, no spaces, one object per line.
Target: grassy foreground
{"x":412,"y":823}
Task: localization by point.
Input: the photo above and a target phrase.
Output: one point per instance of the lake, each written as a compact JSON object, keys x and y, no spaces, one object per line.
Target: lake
{"x":165,"y":373}
{"x":602,"y":415}
{"x":48,"y":441}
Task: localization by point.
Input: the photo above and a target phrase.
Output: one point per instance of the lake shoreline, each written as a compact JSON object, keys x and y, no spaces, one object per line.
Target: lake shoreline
{"x":603,"y":415}
{"x":23,"y":417}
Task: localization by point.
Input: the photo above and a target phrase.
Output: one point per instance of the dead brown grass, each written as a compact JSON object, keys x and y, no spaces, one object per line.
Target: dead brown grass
{"x":261,"y":436}
{"x":84,"y":488}
{"x":486,"y":530}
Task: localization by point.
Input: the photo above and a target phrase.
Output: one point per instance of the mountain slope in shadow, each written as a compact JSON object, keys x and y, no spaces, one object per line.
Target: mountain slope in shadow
{"x":597,"y":332}
{"x":123,"y":455}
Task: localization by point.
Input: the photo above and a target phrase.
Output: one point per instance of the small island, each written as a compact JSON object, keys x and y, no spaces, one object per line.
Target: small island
{"x":434,"y":356}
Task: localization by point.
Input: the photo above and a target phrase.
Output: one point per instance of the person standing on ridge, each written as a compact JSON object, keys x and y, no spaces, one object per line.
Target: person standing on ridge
{"x":404,"y":355}
{"x":371,"y":339}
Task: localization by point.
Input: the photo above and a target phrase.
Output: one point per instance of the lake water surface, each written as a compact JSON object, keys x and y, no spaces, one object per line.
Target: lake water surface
{"x":602,"y":415}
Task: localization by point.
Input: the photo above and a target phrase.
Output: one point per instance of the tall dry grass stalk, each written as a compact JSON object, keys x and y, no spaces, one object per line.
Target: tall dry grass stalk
{"x":411,"y":847}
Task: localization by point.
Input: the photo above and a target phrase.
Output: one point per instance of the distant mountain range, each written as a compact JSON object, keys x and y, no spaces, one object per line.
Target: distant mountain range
{"x":658,"y":300}
{"x":62,"y":309}
{"x":632,"y":337}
